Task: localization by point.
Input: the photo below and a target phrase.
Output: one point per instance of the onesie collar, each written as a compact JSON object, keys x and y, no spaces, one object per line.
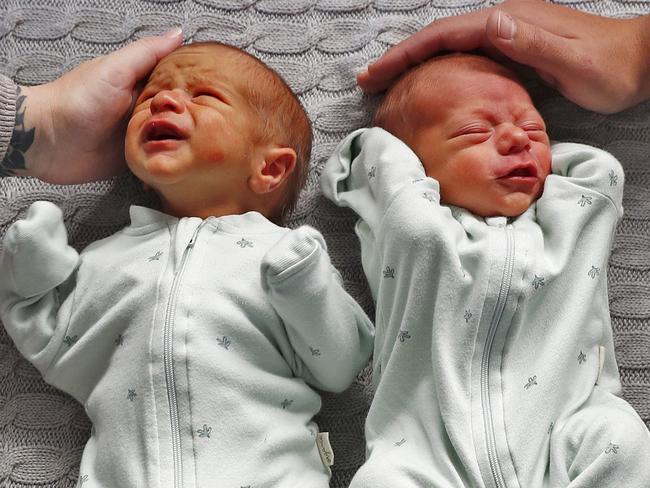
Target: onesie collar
{"x":145,"y":219}
{"x":465,"y":216}
{"x":145,"y":216}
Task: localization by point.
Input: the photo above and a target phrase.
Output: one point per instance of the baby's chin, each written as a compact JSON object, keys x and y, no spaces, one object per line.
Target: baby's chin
{"x":512,"y":205}
{"x":150,"y":182}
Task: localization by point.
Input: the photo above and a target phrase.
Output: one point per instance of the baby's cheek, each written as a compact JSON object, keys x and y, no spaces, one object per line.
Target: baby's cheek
{"x":544,"y":158}
{"x":213,"y":153}
{"x":130,"y":140}
{"x":432,"y":169}
{"x":216,"y":156}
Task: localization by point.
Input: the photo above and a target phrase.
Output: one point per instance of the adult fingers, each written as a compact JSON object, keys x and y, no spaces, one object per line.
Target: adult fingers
{"x":551,"y":55}
{"x":457,"y":33}
{"x":136,"y":60}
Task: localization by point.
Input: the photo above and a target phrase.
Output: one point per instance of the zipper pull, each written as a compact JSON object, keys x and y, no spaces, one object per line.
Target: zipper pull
{"x":195,"y":235}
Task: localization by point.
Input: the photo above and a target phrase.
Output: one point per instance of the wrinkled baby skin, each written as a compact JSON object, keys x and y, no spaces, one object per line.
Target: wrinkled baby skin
{"x":192,"y":134}
{"x":479,"y":134}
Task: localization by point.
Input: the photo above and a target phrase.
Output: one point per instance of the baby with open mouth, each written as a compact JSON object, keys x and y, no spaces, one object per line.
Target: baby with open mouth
{"x":475,"y":130}
{"x":195,"y":337}
{"x":210,"y":141}
{"x":486,"y":252}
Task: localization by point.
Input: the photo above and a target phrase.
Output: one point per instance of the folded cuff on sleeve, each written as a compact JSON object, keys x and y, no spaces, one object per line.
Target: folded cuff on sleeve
{"x":7,"y":113}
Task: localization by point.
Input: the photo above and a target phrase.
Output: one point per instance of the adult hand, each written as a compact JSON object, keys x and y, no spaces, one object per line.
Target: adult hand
{"x":597,"y":62}
{"x":80,"y":118}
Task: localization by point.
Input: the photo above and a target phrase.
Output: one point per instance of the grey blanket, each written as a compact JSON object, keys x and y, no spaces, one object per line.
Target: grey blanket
{"x":317,"y":45}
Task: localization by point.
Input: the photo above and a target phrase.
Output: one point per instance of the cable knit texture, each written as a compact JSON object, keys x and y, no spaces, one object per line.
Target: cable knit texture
{"x":317,"y":45}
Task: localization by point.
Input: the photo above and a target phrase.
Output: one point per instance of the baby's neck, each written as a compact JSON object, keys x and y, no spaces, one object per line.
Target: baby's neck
{"x":182,"y":209}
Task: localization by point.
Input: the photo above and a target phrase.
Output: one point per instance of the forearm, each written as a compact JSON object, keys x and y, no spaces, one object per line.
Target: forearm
{"x":23,"y":135}
{"x":331,"y":335}
{"x":642,"y":25}
{"x":35,"y":261}
{"x":329,"y":332}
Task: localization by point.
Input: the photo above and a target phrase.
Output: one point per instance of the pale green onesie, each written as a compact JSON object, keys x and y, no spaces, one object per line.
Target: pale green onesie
{"x":193,"y":344}
{"x":493,"y":361}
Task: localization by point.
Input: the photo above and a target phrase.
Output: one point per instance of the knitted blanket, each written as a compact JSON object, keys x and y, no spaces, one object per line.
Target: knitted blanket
{"x":317,"y":45}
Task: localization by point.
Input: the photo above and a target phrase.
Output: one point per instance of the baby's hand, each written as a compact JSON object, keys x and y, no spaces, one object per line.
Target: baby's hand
{"x":295,"y":247}
{"x":37,"y":250}
{"x":80,"y":118}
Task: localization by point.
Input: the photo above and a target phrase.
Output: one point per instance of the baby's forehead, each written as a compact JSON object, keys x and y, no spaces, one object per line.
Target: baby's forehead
{"x":469,"y":95}
{"x":459,"y":72}
{"x":461,"y":82}
{"x":203,"y":64}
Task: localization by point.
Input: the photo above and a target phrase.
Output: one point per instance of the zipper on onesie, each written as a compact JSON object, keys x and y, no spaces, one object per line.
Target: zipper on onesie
{"x":504,"y":289}
{"x":168,"y":360}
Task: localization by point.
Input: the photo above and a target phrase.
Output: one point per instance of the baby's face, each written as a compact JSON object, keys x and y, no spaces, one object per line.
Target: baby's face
{"x":192,"y":130}
{"x":481,"y":137}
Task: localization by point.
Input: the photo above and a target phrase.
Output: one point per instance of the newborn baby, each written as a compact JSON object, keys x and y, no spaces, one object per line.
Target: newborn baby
{"x":478,"y":133}
{"x":486,"y":252}
{"x":194,"y":337}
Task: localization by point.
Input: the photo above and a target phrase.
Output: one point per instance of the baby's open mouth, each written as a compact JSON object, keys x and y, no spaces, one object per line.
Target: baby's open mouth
{"x":520,"y":178}
{"x":522,"y":171}
{"x":161,"y":130}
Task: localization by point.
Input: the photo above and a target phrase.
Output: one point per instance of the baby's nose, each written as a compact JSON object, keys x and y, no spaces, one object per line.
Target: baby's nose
{"x":168,"y":100}
{"x":512,"y":138}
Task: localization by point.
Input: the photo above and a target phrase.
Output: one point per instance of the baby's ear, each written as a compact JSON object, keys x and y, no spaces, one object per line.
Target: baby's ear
{"x":278,"y":163}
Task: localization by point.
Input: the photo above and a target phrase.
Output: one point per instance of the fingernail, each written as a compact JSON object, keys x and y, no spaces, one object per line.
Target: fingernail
{"x":505,"y":26}
{"x":173,"y":32}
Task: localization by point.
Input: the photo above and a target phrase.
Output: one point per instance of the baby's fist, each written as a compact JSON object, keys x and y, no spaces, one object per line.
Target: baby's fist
{"x":37,"y":250}
{"x":294,"y":248}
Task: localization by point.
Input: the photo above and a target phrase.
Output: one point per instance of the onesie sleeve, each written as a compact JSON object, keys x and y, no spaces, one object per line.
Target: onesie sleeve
{"x":402,"y":221}
{"x":34,"y":265}
{"x":7,"y":113}
{"x":589,"y":172}
{"x":577,"y":213}
{"x":331,"y":335}
{"x":367,"y":170}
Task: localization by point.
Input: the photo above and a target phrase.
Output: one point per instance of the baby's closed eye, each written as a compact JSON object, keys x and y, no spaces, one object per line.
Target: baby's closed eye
{"x":210,"y":94}
{"x":472,"y":129}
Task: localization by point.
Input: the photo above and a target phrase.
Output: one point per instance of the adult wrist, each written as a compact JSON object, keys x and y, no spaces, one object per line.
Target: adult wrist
{"x":643,"y":29}
{"x":34,"y":114}
{"x":627,"y":63}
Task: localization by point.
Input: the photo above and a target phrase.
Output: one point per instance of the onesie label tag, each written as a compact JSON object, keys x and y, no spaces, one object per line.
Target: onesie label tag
{"x":325,"y":448}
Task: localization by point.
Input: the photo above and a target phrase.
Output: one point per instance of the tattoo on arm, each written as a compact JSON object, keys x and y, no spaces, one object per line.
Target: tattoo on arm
{"x":21,"y":140}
